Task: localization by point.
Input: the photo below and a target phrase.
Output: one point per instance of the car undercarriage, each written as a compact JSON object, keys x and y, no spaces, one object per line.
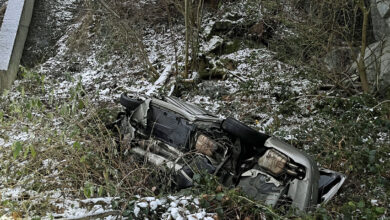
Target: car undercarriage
{"x":182,"y":137}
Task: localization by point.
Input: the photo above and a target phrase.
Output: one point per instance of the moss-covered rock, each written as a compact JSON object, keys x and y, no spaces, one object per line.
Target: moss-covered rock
{"x":232,"y":46}
{"x":214,"y":44}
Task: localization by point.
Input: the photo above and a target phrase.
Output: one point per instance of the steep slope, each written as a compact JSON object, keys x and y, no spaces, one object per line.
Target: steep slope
{"x":58,"y":159}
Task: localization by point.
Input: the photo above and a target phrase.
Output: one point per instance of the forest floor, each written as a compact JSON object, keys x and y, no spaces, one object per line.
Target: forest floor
{"x":58,"y":160}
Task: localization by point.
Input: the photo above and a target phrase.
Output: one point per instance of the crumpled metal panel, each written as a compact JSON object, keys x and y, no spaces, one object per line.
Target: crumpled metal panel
{"x":261,"y":186}
{"x":140,"y":115}
{"x":303,"y":192}
{"x":170,"y":128}
{"x":187,"y":110}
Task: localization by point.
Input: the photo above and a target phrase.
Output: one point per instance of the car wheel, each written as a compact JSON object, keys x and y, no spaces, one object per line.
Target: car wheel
{"x":129,"y":103}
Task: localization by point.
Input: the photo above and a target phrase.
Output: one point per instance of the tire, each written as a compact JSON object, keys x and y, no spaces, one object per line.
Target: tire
{"x":245,"y":133}
{"x":129,"y":103}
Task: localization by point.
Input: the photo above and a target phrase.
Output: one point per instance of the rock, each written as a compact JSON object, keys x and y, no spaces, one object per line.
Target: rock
{"x":208,"y":28}
{"x":377,"y":61}
{"x":229,"y":64}
{"x":383,"y":7}
{"x":204,"y":65}
{"x":380,"y":25}
{"x":210,"y":68}
{"x":228,"y":22}
{"x":213,"y":90}
{"x":217,"y":73}
{"x":213,"y":44}
{"x":232,"y":46}
{"x":223,"y":25}
{"x":257,"y":30}
{"x":339,"y":59}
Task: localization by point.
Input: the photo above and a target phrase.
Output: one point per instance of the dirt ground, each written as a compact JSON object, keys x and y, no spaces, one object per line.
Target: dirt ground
{"x":50,"y":20}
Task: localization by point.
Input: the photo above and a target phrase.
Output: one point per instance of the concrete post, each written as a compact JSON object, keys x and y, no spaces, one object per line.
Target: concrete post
{"x":13,"y":34}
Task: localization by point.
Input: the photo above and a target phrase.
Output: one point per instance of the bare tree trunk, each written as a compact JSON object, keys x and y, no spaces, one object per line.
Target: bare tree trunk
{"x":141,"y":50}
{"x":361,"y":64}
{"x":197,"y":23}
{"x":186,"y":16}
{"x":172,"y":37}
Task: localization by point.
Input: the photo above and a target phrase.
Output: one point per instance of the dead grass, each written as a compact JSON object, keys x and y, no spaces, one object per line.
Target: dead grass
{"x":69,"y":150}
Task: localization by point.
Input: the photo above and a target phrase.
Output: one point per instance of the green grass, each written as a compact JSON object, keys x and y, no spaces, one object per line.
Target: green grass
{"x":68,"y":133}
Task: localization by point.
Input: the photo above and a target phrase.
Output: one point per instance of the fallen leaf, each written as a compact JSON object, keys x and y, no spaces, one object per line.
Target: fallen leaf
{"x":16,"y":215}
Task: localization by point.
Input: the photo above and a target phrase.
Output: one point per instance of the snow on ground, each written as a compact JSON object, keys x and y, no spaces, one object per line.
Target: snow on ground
{"x":113,"y":77}
{"x":103,"y":82}
{"x":66,"y":208}
{"x":215,"y":42}
{"x":70,"y":209}
{"x":62,"y":12}
{"x":265,"y":78}
{"x":172,"y":207}
{"x":161,"y":80}
{"x":248,"y":92}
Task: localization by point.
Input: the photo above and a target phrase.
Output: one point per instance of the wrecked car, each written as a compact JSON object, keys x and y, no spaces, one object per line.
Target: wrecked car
{"x":173,"y":134}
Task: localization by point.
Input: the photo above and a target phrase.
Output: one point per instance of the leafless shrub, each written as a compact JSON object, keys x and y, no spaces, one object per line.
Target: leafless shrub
{"x":319,"y":27}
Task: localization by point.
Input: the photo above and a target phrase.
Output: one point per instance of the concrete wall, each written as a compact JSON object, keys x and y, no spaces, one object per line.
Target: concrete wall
{"x":13,"y":34}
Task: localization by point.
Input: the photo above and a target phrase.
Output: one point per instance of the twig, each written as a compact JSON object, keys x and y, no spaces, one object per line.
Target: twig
{"x":338,"y":84}
{"x":138,"y":41}
{"x":108,"y":8}
{"x":238,"y":77}
{"x":261,"y":206}
{"x":381,"y":103}
{"x":350,"y":79}
{"x":319,"y":96}
{"x":127,"y":175}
